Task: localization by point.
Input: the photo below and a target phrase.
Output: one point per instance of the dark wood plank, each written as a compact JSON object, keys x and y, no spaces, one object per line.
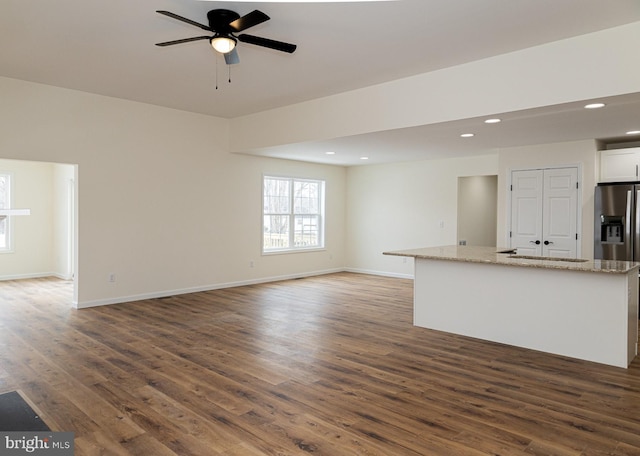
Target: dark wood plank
{"x":328,"y":365}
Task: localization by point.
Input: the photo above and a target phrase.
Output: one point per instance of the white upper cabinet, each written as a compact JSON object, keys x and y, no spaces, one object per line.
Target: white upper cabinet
{"x":620,"y":165}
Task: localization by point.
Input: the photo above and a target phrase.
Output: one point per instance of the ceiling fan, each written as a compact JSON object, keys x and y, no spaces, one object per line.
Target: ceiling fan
{"x":224,"y":24}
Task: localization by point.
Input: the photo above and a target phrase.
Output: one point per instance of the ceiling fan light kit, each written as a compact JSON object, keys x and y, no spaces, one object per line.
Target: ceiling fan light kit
{"x":223,"y":43}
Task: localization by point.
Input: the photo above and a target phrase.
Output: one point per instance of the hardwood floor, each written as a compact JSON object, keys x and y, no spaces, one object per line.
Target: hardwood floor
{"x":327,"y":365}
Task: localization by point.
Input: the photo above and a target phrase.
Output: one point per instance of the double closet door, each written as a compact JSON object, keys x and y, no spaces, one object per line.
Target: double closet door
{"x":544,"y":212}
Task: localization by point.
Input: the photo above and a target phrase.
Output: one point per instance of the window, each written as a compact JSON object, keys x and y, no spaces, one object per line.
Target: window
{"x":293,"y":212}
{"x":5,"y":203}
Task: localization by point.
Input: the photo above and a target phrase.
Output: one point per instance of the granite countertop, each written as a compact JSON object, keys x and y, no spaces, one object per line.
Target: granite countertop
{"x":493,"y":255}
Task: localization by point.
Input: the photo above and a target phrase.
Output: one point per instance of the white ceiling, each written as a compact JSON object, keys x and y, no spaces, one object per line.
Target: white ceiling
{"x":551,"y":124}
{"x":107,"y":47}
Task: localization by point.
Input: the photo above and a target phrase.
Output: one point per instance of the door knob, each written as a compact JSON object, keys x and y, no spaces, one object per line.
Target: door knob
{"x":548,"y":242}
{"x":536,"y":242}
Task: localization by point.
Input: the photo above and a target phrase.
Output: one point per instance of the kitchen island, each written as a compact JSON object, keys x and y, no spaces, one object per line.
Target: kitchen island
{"x":585,"y":309}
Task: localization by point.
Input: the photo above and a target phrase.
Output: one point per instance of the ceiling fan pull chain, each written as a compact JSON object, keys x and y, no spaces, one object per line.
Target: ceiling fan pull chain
{"x":229,"y":66}
{"x":216,"y":72}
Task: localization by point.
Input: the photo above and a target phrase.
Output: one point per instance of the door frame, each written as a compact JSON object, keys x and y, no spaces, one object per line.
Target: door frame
{"x":579,"y":202}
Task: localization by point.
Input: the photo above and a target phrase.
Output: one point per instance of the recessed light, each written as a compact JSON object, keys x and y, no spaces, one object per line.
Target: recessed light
{"x":594,"y":105}
{"x":634,"y":132}
{"x":330,"y":153}
{"x":467,"y":135}
{"x":490,"y":121}
{"x":364,"y":158}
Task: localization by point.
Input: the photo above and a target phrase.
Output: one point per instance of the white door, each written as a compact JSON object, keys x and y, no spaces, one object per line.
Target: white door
{"x":526,"y":212}
{"x":544,"y":212}
{"x":560,"y":213}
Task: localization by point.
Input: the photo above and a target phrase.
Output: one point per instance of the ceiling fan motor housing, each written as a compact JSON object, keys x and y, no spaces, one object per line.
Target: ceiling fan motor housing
{"x":219,"y":20}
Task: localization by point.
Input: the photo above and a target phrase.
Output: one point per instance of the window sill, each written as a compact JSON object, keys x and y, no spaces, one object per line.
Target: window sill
{"x":286,"y":251}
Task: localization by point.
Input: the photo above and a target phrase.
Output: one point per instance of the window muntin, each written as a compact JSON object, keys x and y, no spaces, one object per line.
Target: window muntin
{"x":292,"y":214}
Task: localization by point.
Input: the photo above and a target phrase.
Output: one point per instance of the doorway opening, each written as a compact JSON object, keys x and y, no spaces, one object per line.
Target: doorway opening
{"x":44,"y":243}
{"x":477,"y":210}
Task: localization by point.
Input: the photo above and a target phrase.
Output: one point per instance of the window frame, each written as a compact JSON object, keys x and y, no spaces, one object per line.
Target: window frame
{"x":292,"y":216}
{"x":8,"y":248}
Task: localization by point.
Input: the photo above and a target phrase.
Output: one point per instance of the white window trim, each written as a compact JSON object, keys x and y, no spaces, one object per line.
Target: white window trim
{"x":9,"y":220}
{"x":321,"y":218}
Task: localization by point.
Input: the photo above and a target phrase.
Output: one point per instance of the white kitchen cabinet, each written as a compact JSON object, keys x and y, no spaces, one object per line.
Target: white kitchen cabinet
{"x":579,"y":309}
{"x":620,"y":165}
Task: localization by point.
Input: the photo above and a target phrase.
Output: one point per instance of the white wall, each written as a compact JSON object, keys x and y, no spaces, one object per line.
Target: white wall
{"x":595,"y":65}
{"x":401,"y":206}
{"x":32,"y":243}
{"x":582,"y":153}
{"x":161,"y":203}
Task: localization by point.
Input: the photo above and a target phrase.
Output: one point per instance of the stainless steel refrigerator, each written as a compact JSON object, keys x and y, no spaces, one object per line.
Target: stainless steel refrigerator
{"x":617,"y":222}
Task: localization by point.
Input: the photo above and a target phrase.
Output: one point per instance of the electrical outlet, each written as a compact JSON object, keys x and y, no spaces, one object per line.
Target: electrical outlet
{"x":251,"y":263}
{"x":112,"y":277}
{"x":441,"y":223}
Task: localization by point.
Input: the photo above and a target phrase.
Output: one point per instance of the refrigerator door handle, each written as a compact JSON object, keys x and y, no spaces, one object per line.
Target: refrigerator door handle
{"x":629,"y":241}
{"x":636,"y":229}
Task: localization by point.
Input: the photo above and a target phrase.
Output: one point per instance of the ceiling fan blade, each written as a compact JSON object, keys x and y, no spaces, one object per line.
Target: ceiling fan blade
{"x":184,"y":40}
{"x":266,"y":42}
{"x":184,"y":19}
{"x":231,"y":58}
{"x":249,"y":20}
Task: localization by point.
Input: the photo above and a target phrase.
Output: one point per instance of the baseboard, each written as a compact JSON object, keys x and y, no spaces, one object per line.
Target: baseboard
{"x":379,"y":273}
{"x":61,"y":276}
{"x":37,"y":275}
{"x":181,"y":291}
